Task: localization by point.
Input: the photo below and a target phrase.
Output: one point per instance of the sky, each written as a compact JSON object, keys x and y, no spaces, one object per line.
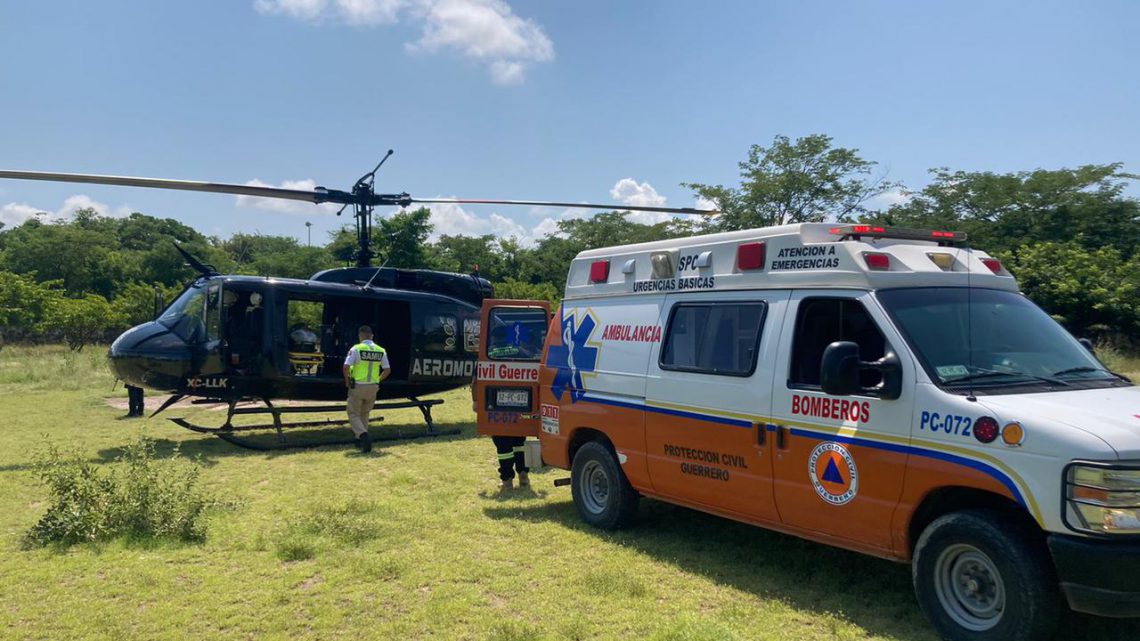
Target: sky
{"x":582,"y":101}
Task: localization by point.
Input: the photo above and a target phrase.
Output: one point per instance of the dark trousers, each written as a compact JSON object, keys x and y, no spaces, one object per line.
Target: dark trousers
{"x":510,"y":450}
{"x":134,"y":401}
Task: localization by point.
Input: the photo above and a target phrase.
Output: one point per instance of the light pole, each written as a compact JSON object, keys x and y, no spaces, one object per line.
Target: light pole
{"x":309,"y":229}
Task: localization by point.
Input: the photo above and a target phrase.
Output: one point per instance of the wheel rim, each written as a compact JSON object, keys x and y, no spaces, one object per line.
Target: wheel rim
{"x":594,"y":487}
{"x":969,"y":587}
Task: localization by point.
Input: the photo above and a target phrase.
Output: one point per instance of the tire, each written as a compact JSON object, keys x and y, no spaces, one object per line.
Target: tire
{"x":981,"y":577}
{"x":602,"y":494}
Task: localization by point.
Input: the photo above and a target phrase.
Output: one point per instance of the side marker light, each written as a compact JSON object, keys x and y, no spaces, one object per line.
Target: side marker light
{"x":986,"y":429}
{"x":1013,"y":434}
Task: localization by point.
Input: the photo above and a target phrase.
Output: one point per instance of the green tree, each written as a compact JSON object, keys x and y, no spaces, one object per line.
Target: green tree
{"x":24,"y":305}
{"x":1088,"y":291}
{"x":136,"y":301}
{"x":794,"y":182}
{"x":1001,"y":212}
{"x":522,"y":290}
{"x":342,"y":245}
{"x":549,"y":261}
{"x":462,"y":253}
{"x":81,"y":321}
{"x":403,"y":238}
{"x":83,"y":258}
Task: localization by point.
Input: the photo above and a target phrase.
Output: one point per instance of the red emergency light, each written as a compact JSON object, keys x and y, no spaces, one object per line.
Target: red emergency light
{"x":877,"y":262}
{"x":899,"y":233}
{"x":993,"y":263}
{"x":599,"y":271}
{"x":750,"y":256}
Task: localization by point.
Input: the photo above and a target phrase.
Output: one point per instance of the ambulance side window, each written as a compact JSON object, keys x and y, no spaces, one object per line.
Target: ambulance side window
{"x":822,"y":321}
{"x":713,"y":338}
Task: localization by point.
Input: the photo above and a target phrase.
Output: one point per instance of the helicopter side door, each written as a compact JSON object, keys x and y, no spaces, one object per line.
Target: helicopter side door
{"x":505,"y":391}
{"x":213,"y":348}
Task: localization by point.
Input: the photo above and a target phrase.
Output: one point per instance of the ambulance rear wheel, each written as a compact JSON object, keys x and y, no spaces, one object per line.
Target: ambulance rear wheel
{"x":602,"y":494}
{"x":981,"y":577}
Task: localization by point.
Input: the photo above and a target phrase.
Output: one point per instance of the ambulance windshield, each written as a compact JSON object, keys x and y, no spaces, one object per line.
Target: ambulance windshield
{"x":991,"y":341}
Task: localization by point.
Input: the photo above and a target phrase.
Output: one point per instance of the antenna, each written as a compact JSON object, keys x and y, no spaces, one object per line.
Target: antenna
{"x":969,"y":327}
{"x":374,"y":275}
{"x":369,"y":283}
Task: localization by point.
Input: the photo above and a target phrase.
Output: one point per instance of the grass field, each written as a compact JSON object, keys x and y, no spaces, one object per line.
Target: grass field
{"x":413,"y":541}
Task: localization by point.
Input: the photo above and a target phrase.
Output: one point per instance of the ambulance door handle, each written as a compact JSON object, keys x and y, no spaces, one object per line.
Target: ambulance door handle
{"x":782,"y":437}
{"x":761,"y":433}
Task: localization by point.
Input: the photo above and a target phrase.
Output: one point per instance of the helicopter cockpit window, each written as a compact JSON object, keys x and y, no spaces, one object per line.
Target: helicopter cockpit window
{"x":516,"y":334}
{"x":185,"y":315}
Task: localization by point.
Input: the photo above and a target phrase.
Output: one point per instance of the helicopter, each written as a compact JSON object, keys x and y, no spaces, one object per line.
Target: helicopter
{"x":239,"y":340}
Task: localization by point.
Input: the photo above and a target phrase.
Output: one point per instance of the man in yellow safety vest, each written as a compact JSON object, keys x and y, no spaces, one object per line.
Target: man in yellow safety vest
{"x":365,"y":367}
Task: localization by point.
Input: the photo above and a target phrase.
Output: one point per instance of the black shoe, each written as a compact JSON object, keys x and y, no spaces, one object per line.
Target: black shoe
{"x":365,"y":442}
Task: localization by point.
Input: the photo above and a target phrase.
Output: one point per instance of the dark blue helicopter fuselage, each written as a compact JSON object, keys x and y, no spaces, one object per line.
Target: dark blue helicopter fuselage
{"x":232,"y":337}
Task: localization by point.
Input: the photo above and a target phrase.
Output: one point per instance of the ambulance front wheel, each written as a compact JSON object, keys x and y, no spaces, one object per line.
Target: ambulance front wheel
{"x":980,"y":576}
{"x":602,"y":494}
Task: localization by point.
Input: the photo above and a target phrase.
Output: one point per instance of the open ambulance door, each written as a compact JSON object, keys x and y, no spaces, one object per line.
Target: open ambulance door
{"x":505,"y":391}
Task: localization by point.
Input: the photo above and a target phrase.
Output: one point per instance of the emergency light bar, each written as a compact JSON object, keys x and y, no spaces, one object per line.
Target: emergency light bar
{"x":876,"y":231}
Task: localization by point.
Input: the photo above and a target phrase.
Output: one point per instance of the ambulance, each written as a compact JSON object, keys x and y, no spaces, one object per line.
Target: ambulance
{"x":884,"y":390}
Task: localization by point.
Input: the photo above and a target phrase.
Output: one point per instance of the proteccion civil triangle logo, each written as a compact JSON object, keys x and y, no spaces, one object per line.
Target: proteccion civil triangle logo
{"x":573,"y":357}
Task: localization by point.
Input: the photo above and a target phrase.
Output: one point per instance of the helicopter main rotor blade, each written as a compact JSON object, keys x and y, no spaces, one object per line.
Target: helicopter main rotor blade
{"x":545,"y":203}
{"x":318,"y":196}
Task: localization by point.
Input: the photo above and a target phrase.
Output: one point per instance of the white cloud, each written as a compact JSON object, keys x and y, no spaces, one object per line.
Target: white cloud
{"x":354,"y":12}
{"x":370,"y":12}
{"x":891,"y":198}
{"x":630,"y":192}
{"x":285,"y":206}
{"x":548,"y":227}
{"x":13,"y":214}
{"x":450,"y":219}
{"x":487,"y":31}
{"x":81,"y":201}
{"x":705,"y":204}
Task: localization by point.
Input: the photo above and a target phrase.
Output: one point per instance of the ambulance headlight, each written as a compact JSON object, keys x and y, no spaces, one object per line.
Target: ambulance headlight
{"x":1103,"y":498}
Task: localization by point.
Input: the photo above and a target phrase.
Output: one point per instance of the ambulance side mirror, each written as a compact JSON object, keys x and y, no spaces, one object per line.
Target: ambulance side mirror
{"x":1087,"y":344}
{"x":840,"y":367}
{"x":891,"y":369}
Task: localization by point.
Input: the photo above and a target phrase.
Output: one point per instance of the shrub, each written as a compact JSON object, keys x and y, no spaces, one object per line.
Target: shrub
{"x":139,"y":496}
{"x":82,"y":320}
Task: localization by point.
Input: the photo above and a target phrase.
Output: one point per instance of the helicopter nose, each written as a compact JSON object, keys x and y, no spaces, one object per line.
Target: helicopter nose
{"x":149,"y":355}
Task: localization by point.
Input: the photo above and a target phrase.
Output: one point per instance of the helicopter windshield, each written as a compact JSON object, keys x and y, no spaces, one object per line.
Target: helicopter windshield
{"x":185,"y":315}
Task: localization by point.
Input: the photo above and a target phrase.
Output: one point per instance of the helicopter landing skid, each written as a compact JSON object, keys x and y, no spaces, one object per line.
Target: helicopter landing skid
{"x":229,"y":432}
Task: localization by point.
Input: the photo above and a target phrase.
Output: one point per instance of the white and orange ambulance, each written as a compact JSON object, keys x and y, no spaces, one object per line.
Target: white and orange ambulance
{"x":883,"y":390}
